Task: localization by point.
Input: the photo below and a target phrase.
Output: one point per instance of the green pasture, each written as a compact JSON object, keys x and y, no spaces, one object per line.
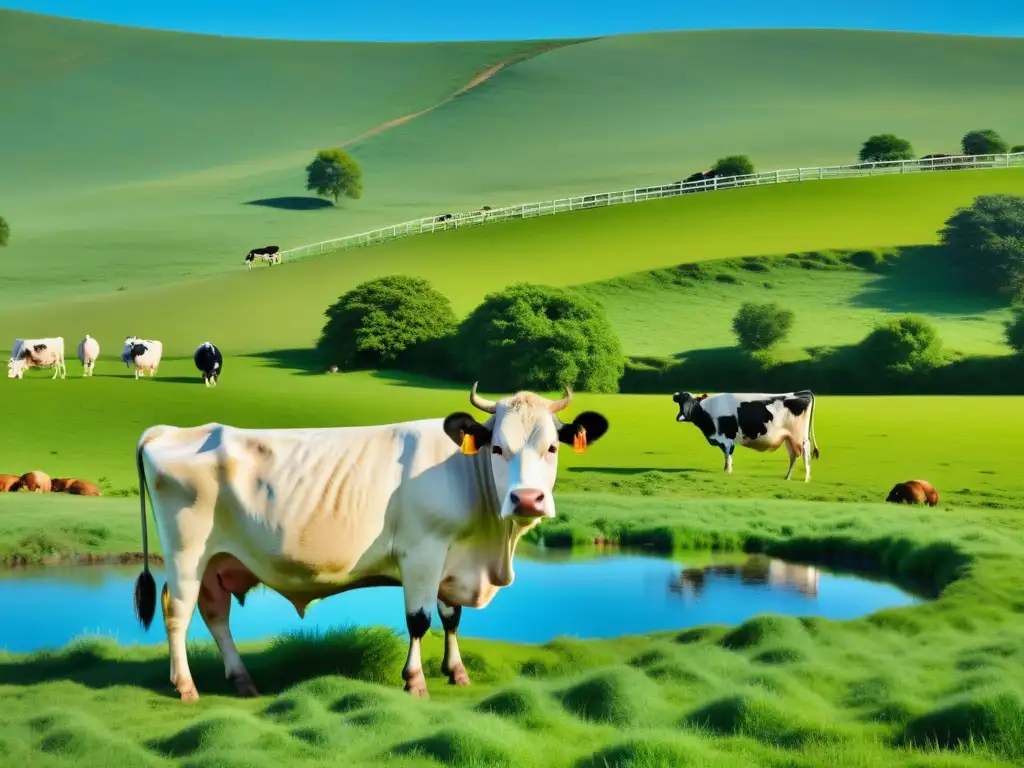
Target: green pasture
{"x":275,"y":308}
{"x":867,"y":444}
{"x":147,"y":156}
{"x":938,"y":684}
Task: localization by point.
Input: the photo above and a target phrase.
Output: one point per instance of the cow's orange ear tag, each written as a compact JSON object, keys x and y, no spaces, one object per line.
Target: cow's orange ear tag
{"x":468,"y":444}
{"x":579,"y":442}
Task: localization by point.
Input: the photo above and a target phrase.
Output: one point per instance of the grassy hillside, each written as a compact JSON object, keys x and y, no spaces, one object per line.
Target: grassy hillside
{"x":282,"y":307}
{"x":146,"y":156}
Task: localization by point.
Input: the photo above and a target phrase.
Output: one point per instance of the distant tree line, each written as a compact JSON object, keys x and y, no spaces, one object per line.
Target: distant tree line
{"x":5,"y":232}
{"x":888,"y":147}
{"x":540,"y":337}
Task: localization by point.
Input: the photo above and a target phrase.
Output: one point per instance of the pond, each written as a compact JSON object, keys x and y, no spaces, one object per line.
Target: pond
{"x":555,"y":593}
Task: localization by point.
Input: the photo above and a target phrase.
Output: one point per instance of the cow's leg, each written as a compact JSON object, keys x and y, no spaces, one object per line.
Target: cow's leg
{"x":215,"y":608}
{"x":791,"y":450}
{"x":451,"y":664}
{"x":180,"y":595}
{"x":421,"y":580}
{"x":807,"y":458}
{"x":727,"y":449}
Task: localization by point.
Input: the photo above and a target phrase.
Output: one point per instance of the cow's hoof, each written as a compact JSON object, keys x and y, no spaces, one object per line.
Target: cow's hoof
{"x":245,"y":688}
{"x":189,"y":694}
{"x":458,"y":676}
{"x":416,"y":685}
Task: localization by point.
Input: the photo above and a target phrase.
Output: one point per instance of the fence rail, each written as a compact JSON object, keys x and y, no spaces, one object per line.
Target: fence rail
{"x":443,"y":222}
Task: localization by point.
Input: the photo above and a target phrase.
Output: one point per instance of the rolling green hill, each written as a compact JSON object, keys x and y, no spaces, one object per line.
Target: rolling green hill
{"x":147,"y":156}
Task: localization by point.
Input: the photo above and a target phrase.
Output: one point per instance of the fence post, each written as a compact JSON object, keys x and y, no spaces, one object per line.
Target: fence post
{"x":821,"y":172}
{"x":799,"y":174}
{"x":776,"y":176}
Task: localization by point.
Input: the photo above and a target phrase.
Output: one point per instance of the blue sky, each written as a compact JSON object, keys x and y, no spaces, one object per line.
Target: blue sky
{"x":404,"y":20}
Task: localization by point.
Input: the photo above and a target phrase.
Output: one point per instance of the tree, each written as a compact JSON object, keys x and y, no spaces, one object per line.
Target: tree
{"x":1016,"y":148}
{"x":734,"y":165}
{"x":538,"y":337}
{"x":983,"y":142}
{"x":5,"y":232}
{"x":334,"y":173}
{"x":987,"y":239}
{"x":885,"y":147}
{"x":903,"y":344}
{"x":759,"y":327}
{"x":1014,"y":331}
{"x":384,"y":322}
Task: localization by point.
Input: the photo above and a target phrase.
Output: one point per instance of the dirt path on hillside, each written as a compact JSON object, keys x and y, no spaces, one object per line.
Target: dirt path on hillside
{"x":477,"y":80}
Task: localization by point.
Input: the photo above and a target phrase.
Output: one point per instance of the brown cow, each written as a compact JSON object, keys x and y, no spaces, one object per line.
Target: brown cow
{"x":34,"y":481}
{"x":74,"y":487}
{"x":7,"y":483}
{"x":913,"y":492}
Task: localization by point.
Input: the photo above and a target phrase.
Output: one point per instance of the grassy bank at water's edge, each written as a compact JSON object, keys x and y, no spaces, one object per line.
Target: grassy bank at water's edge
{"x":939,"y":684}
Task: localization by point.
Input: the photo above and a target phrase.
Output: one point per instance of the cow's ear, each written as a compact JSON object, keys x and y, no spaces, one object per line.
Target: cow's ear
{"x":594,"y":424}
{"x":461,"y":425}
{"x":703,"y":397}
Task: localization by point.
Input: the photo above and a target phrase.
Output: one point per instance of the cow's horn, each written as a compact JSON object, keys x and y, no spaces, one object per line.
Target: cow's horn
{"x":559,"y":405}
{"x":487,"y":406}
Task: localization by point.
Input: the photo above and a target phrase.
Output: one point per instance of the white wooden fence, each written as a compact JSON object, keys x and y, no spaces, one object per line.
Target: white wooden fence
{"x":441,"y":222}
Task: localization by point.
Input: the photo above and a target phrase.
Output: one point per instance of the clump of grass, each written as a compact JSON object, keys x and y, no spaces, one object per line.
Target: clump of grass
{"x":373,"y":654}
{"x":993,"y":720}
{"x":616,"y":696}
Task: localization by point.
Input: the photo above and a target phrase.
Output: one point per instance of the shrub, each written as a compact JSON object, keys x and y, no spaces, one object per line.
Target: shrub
{"x":987,"y":239}
{"x":759,"y":327}
{"x":333,"y":173}
{"x":903,"y":344}
{"x":5,"y":232}
{"x":872,"y":261}
{"x":983,"y":142}
{"x":384,"y":322}
{"x":1016,"y":148}
{"x":734,"y":165}
{"x":885,"y":147}
{"x":538,"y":337}
{"x":1014,"y":331}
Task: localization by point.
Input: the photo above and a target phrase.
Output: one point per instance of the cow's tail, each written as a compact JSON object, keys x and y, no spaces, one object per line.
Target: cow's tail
{"x":145,"y":585}
{"x":815,"y":453}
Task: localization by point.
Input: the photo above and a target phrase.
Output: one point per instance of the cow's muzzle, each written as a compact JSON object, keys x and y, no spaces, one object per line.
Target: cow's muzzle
{"x":528,"y":502}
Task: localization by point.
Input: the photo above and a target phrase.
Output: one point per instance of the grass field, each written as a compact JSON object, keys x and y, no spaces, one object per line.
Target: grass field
{"x":935,"y":685}
{"x":163,"y":156}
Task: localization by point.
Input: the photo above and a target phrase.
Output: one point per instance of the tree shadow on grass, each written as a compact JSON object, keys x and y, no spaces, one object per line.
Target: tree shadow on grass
{"x":371,"y":654}
{"x":301,"y":362}
{"x":294,"y":203}
{"x":925,"y":279}
{"x":417,"y":381}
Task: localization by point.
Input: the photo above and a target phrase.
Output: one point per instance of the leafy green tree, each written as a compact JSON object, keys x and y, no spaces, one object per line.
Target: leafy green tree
{"x":885,"y":147}
{"x":759,"y":327}
{"x":903,"y":344}
{"x":383,"y":323}
{"x":987,"y":240}
{"x":1016,"y":148}
{"x":734,"y":165}
{"x":983,"y":142}
{"x":334,"y":173}
{"x":1014,"y":331}
{"x":538,"y":337}
{"x":5,"y":232}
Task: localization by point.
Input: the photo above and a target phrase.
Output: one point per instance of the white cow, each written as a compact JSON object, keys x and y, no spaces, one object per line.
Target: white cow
{"x":37,"y":353}
{"x":144,"y":353}
{"x":315,"y":512}
{"x":759,"y":421}
{"x":88,"y":351}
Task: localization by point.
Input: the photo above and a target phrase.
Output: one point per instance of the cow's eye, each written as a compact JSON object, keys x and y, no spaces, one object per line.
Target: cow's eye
{"x":553,"y":448}
{"x":496,"y":450}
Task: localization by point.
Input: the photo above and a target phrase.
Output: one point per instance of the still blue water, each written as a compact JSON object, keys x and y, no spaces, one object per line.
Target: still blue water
{"x":605,"y":596}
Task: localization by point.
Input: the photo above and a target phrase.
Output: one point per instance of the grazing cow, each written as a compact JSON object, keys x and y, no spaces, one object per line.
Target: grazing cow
{"x":7,"y":483}
{"x":758,"y":421}
{"x":88,"y":351}
{"x":35,"y":481}
{"x":144,"y":353}
{"x":268,"y":253}
{"x":435,"y":506}
{"x":74,"y":487}
{"x":209,"y":361}
{"x":913,"y":492}
{"x":37,"y":353}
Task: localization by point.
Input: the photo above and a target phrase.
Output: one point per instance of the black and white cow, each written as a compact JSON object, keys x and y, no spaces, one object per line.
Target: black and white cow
{"x":268,"y":253}
{"x":444,"y":217}
{"x":209,"y":362}
{"x":759,"y":421}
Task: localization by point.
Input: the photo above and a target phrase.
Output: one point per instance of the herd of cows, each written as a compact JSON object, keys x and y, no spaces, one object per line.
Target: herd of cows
{"x":144,"y":354}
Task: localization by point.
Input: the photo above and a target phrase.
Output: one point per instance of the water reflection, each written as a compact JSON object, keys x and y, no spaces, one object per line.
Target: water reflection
{"x":554,"y":593}
{"x":755,"y":570}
